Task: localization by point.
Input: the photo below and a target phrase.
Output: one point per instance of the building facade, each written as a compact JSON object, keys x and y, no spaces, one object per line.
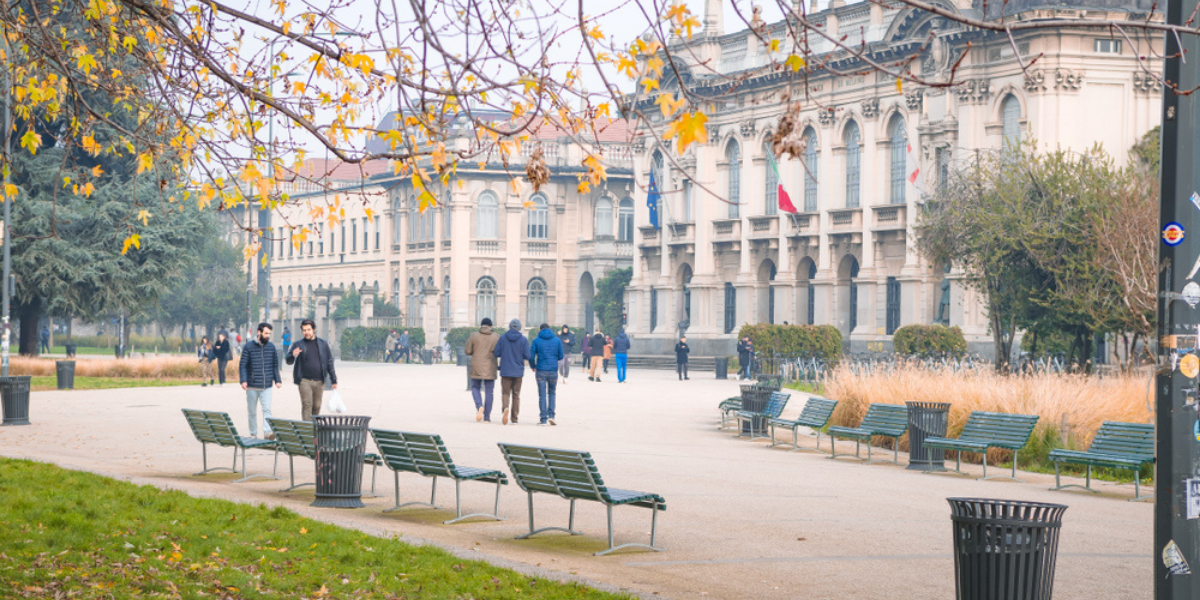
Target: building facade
{"x":874,"y":150}
{"x":488,"y":249}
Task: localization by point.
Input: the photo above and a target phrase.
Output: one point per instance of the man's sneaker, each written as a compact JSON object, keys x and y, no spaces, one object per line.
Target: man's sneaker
{"x":541,"y":424}
{"x":551,"y":421}
{"x":504,"y":419}
{"x":479,"y":414}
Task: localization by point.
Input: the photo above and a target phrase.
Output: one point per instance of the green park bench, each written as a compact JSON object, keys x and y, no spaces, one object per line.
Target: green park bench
{"x":296,"y":439}
{"x":886,"y":420}
{"x":728,"y":407}
{"x":986,"y":430}
{"x":212,"y":427}
{"x":1117,"y":445}
{"x":426,"y":455}
{"x":774,"y":408}
{"x":573,"y":475}
{"x":815,"y":415}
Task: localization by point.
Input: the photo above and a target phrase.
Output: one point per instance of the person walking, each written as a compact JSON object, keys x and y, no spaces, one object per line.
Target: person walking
{"x":608,"y":351}
{"x":481,"y":347}
{"x":544,"y":356}
{"x":223,"y":353}
{"x":405,"y":348}
{"x":287,"y":337}
{"x":596,"y":344}
{"x":205,"y":353}
{"x":620,"y":347}
{"x":586,"y":350}
{"x":567,"y":337}
{"x":44,"y":340}
{"x":681,"y":358}
{"x":259,"y":368}
{"x":745,"y":349}
{"x":513,"y":350}
{"x":391,"y":347}
{"x":312,"y":366}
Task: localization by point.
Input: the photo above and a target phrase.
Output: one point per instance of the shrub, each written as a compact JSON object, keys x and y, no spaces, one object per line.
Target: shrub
{"x":819,"y":341}
{"x":457,"y":337}
{"x":367,"y":343}
{"x":929,"y":340}
{"x":383,"y":308}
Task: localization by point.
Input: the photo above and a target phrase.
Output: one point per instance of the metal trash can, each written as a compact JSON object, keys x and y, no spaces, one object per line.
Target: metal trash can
{"x":1004,"y":549}
{"x":463,"y":359}
{"x":340,"y":443}
{"x":722,"y":365}
{"x":754,"y":399}
{"x":119,"y":351}
{"x":427,"y":356}
{"x":65,"y":369}
{"x":926,"y":420}
{"x":70,"y":346}
{"x":14,"y":399}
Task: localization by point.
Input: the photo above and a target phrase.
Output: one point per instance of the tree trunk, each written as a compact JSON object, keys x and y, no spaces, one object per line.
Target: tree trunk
{"x":128,"y":330}
{"x":31,"y":313}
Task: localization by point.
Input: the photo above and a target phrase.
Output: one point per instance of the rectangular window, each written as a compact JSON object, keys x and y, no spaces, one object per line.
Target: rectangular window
{"x":943,"y":166}
{"x":353,"y":235}
{"x":1107,"y":46}
{"x":343,"y":237}
{"x":291,"y":246}
{"x":377,"y":228}
{"x":730,"y":307}
{"x":446,"y":214}
{"x":366,"y":235}
{"x":687,"y":200}
{"x":653,"y":309}
{"x":893,"y":305}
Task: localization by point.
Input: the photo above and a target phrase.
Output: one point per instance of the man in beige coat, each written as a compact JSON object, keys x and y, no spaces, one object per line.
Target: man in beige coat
{"x":481,"y":347}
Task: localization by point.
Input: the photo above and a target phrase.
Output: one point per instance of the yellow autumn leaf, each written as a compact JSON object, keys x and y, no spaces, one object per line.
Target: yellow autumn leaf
{"x":899,"y":85}
{"x":668,"y":105}
{"x":649,"y":84}
{"x":795,"y":62}
{"x":688,"y":128}
{"x":134,"y":240}
{"x":774,"y":45}
{"x":86,"y":63}
{"x":87,"y":189}
{"x":31,"y":141}
{"x":144,"y":217}
{"x":97,"y":171}
{"x":90,"y":146}
{"x":10,"y":191}
{"x":688,"y":24}
{"x":584,"y":187}
{"x":145,"y":161}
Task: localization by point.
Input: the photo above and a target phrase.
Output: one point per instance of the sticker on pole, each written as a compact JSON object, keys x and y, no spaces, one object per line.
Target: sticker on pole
{"x":1173,"y":560}
{"x":1195,"y":199}
{"x":1192,"y":490}
{"x":1189,"y":366}
{"x":1172,"y":234}
{"x":1191,"y":293}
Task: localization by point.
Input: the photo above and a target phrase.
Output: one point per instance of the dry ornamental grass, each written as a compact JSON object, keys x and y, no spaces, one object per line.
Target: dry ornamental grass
{"x":169,"y":367}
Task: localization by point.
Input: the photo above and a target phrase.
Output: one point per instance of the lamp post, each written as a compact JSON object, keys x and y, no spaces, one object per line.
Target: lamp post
{"x":6,"y":340}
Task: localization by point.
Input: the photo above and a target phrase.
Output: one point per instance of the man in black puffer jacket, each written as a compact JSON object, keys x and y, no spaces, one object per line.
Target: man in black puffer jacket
{"x":258,"y":369}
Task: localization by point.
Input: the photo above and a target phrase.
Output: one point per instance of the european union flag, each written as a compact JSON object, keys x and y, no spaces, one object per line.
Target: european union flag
{"x":652,"y":201}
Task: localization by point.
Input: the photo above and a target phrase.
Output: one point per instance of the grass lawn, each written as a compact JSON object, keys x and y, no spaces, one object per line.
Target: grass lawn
{"x":68,"y":533}
{"x":50,"y":382}
{"x":62,"y":350}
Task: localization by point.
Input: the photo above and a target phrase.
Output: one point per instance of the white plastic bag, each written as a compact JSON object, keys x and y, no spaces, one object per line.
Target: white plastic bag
{"x":336,"y":406}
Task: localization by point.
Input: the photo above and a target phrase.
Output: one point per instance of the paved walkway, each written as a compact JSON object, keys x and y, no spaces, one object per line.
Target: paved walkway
{"x":743,"y":521}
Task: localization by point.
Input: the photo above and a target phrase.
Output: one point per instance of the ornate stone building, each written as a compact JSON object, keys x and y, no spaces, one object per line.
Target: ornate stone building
{"x":486,"y":250}
{"x":726,"y":256}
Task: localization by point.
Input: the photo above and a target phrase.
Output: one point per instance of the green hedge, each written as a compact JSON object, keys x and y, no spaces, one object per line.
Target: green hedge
{"x":457,"y":337}
{"x":367,"y":343}
{"x":929,"y":340}
{"x":820,"y":341}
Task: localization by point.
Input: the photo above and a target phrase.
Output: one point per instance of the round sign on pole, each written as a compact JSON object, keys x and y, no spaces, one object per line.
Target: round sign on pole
{"x":1189,"y":366}
{"x":1191,"y":293}
{"x":1173,"y":234}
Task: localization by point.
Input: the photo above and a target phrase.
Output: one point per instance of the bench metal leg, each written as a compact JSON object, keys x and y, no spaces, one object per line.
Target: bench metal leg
{"x":292,"y":475}
{"x":458,"y":506}
{"x":532,"y":532}
{"x":1058,"y":484}
{"x":246,"y":477}
{"x":1014,"y":469}
{"x":1137,"y":487}
{"x":895,"y":454}
{"x":398,"y":506}
{"x":653,"y":528}
{"x":857,"y":449}
{"x":957,"y":465}
{"x":204,"y":457}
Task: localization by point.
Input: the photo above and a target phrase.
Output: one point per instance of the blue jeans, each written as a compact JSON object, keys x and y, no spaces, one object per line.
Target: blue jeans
{"x":622,"y":360}
{"x":547,"y":384}
{"x":484,"y":399}
{"x":253,"y":398}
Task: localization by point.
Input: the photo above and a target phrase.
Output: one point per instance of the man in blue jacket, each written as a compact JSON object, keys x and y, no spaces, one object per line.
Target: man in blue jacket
{"x":544,"y":355}
{"x":621,"y":353}
{"x":513,"y":350}
{"x":259,"y":368}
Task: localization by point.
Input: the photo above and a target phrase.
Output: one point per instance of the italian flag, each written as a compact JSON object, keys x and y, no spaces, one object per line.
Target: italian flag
{"x":785,"y":201}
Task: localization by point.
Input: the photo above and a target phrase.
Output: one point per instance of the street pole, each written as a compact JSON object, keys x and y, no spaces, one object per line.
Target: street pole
{"x":1177,"y":476}
{"x":6,"y":340}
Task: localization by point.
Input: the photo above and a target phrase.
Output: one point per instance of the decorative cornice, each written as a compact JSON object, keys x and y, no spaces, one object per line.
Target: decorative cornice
{"x":825,"y":116}
{"x":974,"y":91}
{"x":714,"y":135}
{"x":1145,"y":83}
{"x":870,"y":108}
{"x":1068,"y":80}
{"x":1035,"y":81}
{"x":748,"y":128}
{"x":914,"y":99}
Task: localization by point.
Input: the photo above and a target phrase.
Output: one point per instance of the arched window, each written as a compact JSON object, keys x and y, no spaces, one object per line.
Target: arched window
{"x":733,"y":154}
{"x":485,"y":299}
{"x":1010,"y":113}
{"x":411,"y":313}
{"x":396,"y":292}
{"x":771,"y":183}
{"x":539,"y":218}
{"x":535,"y":303}
{"x":487,"y":227}
{"x":730,"y":307}
{"x":812,"y":294}
{"x":414,"y":230}
{"x":447,"y":216}
{"x":625,"y":220}
{"x":657,"y":169}
{"x":810,"y":170}
{"x":899,"y":143}
{"x":446,"y":303}
{"x":853,"y":294}
{"x":604,"y":217}
{"x":396,"y":212}
{"x":853,"y":163}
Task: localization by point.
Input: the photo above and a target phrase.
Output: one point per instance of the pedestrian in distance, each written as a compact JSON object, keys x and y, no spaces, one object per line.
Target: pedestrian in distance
{"x":44,"y":340}
{"x":620,"y":347}
{"x":391,"y":347}
{"x":405,"y":348}
{"x":287,"y":337}
{"x":513,"y":351}
{"x":567,"y":337}
{"x":259,"y":368}
{"x":681,"y":358}
{"x":223,"y":353}
{"x":544,"y":356}
{"x":586,"y":349}
{"x":481,"y":347}
{"x":608,"y":351}
{"x":312,"y":366}
{"x":596,"y":345}
{"x":204,"y":352}
{"x":745,"y":349}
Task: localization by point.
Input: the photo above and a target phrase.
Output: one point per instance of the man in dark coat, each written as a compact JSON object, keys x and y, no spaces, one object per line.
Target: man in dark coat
{"x":513,"y":350}
{"x":596,"y":346}
{"x":259,"y":368}
{"x":567,"y":337}
{"x":745,"y":350}
{"x":681,"y":358}
{"x":312,"y":365}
